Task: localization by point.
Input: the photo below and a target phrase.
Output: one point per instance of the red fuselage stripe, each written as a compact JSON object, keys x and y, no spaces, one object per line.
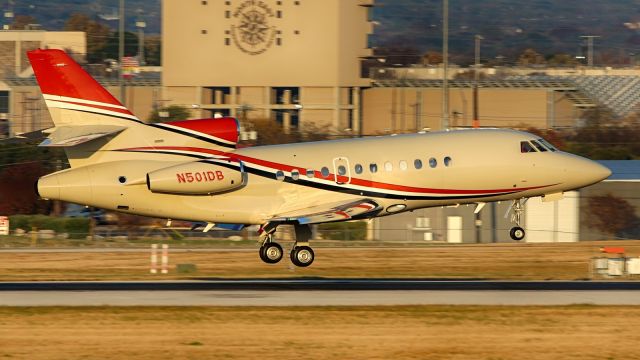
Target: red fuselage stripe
{"x":354,"y":181}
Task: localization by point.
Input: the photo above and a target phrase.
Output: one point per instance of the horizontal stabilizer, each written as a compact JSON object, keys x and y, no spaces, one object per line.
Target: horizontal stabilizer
{"x":67,"y":136}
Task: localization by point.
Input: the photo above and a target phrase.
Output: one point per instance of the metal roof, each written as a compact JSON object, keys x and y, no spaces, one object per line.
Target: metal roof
{"x":623,"y":170}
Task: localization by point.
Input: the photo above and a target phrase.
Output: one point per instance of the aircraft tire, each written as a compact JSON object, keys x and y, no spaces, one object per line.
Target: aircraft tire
{"x":302,"y":256}
{"x":517,"y":233}
{"x":271,"y":253}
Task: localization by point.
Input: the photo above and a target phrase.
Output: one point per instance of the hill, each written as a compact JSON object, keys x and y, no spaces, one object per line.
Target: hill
{"x":510,"y":26}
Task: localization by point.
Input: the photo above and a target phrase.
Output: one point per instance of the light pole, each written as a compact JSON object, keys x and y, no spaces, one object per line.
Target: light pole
{"x":121,"y":51}
{"x":445,"y":64}
{"x":476,"y":77}
{"x":589,"y":48}
{"x":141,"y":24}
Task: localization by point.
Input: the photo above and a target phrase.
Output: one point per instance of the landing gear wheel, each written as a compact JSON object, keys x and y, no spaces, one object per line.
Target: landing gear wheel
{"x":302,"y":256}
{"x":517,"y":233}
{"x":271,"y":252}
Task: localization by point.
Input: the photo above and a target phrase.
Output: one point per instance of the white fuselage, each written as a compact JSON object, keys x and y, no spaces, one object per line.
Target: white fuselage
{"x":399,"y":173}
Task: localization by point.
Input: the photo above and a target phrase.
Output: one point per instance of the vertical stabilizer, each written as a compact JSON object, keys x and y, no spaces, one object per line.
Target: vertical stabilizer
{"x":69,"y":90}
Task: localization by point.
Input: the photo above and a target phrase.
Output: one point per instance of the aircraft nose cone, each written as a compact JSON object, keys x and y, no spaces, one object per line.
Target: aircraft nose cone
{"x":595,"y":172}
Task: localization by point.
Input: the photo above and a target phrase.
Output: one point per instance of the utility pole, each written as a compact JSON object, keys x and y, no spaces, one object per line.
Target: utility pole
{"x":476,"y":77}
{"x":589,"y":48}
{"x":445,"y":64}
{"x":121,"y":52}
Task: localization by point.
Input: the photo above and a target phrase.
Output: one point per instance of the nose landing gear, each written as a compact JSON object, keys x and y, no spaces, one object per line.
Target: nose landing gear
{"x":517,"y":207}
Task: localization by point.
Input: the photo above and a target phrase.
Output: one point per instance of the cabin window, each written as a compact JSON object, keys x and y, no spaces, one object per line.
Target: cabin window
{"x":538,"y":146}
{"x":433,"y":162}
{"x":373,"y":168}
{"x":295,"y":174}
{"x":280,"y":175}
{"x":342,"y":170}
{"x":358,"y":169}
{"x":526,"y":147}
{"x":417,"y":163}
{"x":403,"y":165}
{"x":325,"y":172}
{"x":311,"y":173}
{"x":447,"y":161}
{"x":388,"y":166}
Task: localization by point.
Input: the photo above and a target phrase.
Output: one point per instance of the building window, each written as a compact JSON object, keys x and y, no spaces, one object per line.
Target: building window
{"x":279,"y":14}
{"x":204,"y":2}
{"x":278,"y":2}
{"x":373,"y":168}
{"x":297,"y":32}
{"x":296,"y":3}
{"x":358,"y":169}
{"x":227,"y":2}
{"x":227,"y":41}
{"x":4,"y":102}
{"x":278,"y":41}
{"x":227,"y":14}
{"x":433,"y":162}
{"x":204,"y":32}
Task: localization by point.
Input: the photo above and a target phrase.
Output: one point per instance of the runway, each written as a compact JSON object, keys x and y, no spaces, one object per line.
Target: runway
{"x":318,"y":292}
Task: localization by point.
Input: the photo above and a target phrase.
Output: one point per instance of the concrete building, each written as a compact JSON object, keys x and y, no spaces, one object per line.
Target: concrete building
{"x":14,"y":64}
{"x":405,"y":105}
{"x":292,"y":61}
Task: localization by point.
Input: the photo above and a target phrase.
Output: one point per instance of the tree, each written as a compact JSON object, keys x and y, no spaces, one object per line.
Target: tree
{"x":563,"y":60}
{"x":613,"y":216}
{"x":172,"y":112}
{"x":21,"y":22}
{"x":432,"y":58}
{"x":270,"y":132}
{"x":530,"y":57}
{"x":97,"y":35}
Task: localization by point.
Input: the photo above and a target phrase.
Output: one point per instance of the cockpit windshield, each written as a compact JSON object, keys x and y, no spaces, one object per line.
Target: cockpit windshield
{"x":547,"y":144}
{"x":526,"y":147}
{"x":539,"y":146}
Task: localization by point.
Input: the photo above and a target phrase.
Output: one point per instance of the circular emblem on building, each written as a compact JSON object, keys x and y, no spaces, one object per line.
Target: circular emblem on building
{"x":252,"y":32}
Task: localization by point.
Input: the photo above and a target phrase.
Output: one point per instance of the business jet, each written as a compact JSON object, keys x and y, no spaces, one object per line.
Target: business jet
{"x":193,"y":170}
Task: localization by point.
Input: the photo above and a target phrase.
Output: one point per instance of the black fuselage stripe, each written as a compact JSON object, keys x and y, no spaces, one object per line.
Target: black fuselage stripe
{"x":99,"y":113}
{"x":199,"y":137}
{"x":334,"y":188}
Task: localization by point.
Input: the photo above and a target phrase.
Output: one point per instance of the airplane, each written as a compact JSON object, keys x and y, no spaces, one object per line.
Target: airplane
{"x":193,"y":169}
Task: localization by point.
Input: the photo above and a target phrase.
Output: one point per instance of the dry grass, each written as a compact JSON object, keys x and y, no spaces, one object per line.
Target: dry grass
{"x":487,"y":261}
{"x":425,"y":332}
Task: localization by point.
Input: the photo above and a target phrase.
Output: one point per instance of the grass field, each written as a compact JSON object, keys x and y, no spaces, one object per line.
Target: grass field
{"x":483,"y":261}
{"x":425,"y":332}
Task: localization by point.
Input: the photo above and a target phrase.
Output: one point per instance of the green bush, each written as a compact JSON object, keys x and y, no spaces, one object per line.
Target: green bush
{"x":355,"y":230}
{"x":77,"y":228}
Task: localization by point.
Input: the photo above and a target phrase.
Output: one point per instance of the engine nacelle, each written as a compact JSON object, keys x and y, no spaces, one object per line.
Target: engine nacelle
{"x":198,"y":178}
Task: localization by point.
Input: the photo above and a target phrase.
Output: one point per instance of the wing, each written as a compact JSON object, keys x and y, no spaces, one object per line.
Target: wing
{"x":354,"y":210}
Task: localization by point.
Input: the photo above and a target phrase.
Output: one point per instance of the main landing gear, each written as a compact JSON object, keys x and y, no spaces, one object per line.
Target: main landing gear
{"x":301,"y":254}
{"x":517,"y":207}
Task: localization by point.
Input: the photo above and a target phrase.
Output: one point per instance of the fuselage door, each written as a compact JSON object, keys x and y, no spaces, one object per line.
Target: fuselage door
{"x":341,"y":170}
